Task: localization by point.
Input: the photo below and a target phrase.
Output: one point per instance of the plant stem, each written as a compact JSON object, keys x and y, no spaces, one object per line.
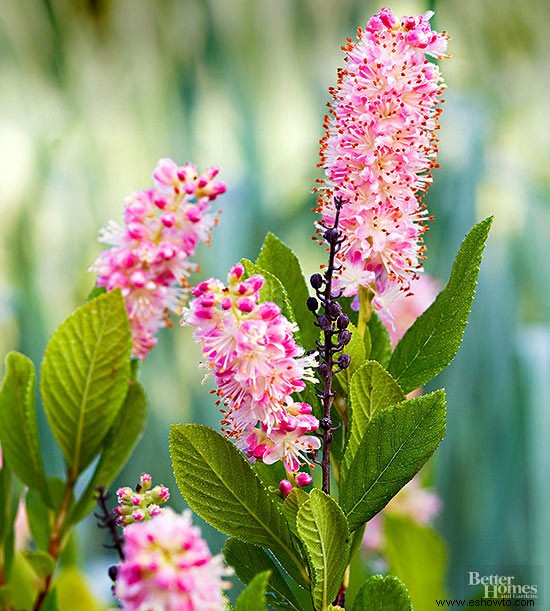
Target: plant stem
{"x":332,"y":322}
{"x":365,"y":310}
{"x":56,"y":543}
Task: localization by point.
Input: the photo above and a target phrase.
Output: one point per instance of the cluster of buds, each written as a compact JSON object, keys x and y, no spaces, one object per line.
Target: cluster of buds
{"x":149,"y":257}
{"x":250,"y":349}
{"x":378,"y":152}
{"x":140,"y":504}
{"x":328,"y":312}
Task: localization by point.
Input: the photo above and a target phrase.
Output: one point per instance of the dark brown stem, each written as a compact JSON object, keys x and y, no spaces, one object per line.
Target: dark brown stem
{"x":107,"y":520}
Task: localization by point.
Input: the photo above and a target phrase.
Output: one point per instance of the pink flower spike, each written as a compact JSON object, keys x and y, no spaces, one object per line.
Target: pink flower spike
{"x":168,"y":566}
{"x":150,"y":257}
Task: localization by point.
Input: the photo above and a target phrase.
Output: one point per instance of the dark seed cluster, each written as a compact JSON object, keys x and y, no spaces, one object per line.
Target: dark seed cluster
{"x":335,"y":335}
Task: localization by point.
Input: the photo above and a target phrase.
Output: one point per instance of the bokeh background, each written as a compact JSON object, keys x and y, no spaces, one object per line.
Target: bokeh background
{"x":94,"y":92}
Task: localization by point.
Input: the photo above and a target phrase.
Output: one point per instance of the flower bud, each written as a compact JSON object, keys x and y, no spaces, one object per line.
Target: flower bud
{"x":303,"y":479}
{"x":316,"y":281}
{"x":312,"y":304}
{"x":344,"y":360}
{"x":285,"y":487}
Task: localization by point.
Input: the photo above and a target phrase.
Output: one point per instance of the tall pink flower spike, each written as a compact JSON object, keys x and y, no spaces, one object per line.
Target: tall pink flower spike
{"x":149,"y":258}
{"x":378,"y":152}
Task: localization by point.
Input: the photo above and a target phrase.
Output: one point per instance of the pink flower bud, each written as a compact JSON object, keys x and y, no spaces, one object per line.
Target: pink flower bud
{"x":124,"y":494}
{"x":145,"y":481}
{"x":138,"y":279}
{"x":136,"y":231}
{"x":168,"y":219}
{"x":285,"y":487}
{"x":245,"y":304}
{"x":236,"y":272}
{"x":303,"y":479}
{"x":194,"y":214}
{"x":138,"y":515}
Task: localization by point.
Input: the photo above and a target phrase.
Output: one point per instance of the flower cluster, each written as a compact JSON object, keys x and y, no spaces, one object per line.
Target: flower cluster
{"x":250,"y":349}
{"x":149,"y":256}
{"x":140,"y":504}
{"x":378,"y":152}
{"x":167,"y":565}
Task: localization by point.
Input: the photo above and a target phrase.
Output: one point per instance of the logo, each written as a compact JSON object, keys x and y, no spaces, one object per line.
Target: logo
{"x":511,"y":583}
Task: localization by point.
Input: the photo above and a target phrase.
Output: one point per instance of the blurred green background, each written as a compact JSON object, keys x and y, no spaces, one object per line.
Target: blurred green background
{"x":94,"y":92}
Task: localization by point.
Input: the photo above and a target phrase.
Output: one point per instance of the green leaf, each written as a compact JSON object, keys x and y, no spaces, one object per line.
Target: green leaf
{"x":291,"y":506}
{"x":372,"y":390}
{"x":38,"y":515}
{"x":271,"y":475}
{"x":417,"y":555}
{"x":253,"y":596}
{"x":41,"y":563}
{"x":356,"y":350}
{"x":277,"y":258}
{"x":324,"y":532}
{"x":396,"y":444}
{"x":96,"y":292}
{"x":19,"y":425}
{"x":84,"y":377}
{"x":248,"y":559}
{"x":51,"y":604}
{"x":219,"y":484}
{"x":433,"y":340}
{"x":272,"y":290}
{"x":383,"y":594}
{"x":380,"y":341}
{"x":117,"y":447}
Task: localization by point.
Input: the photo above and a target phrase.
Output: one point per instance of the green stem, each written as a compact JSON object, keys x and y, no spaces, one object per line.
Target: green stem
{"x":57,"y":542}
{"x":365,"y":309}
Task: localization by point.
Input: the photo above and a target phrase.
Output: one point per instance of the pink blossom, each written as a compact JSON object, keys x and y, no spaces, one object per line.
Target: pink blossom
{"x":249,"y":348}
{"x":148,"y":258}
{"x":168,"y":566}
{"x":378,"y":152}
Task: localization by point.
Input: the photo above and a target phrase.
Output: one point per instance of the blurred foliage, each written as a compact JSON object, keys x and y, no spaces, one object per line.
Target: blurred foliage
{"x":95,"y":91}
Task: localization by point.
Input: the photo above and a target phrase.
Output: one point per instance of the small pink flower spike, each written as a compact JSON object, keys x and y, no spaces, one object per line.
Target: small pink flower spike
{"x":167,"y":565}
{"x":149,"y":257}
{"x":250,"y":349}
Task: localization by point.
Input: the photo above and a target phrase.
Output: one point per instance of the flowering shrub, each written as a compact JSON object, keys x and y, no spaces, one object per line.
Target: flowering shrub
{"x":304,"y":380}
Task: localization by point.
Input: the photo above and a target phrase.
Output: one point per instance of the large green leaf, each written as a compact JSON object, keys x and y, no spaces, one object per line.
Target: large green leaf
{"x":291,"y":506}
{"x":117,"y":447}
{"x":396,"y":443}
{"x":433,"y":340}
{"x":417,"y":555}
{"x":252,"y":598}
{"x":324,"y":532}
{"x":277,"y":258}
{"x":84,"y":377}
{"x":383,"y":594}
{"x":248,"y":560}
{"x":19,"y":425}
{"x":219,"y":484}
{"x":372,"y":390}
